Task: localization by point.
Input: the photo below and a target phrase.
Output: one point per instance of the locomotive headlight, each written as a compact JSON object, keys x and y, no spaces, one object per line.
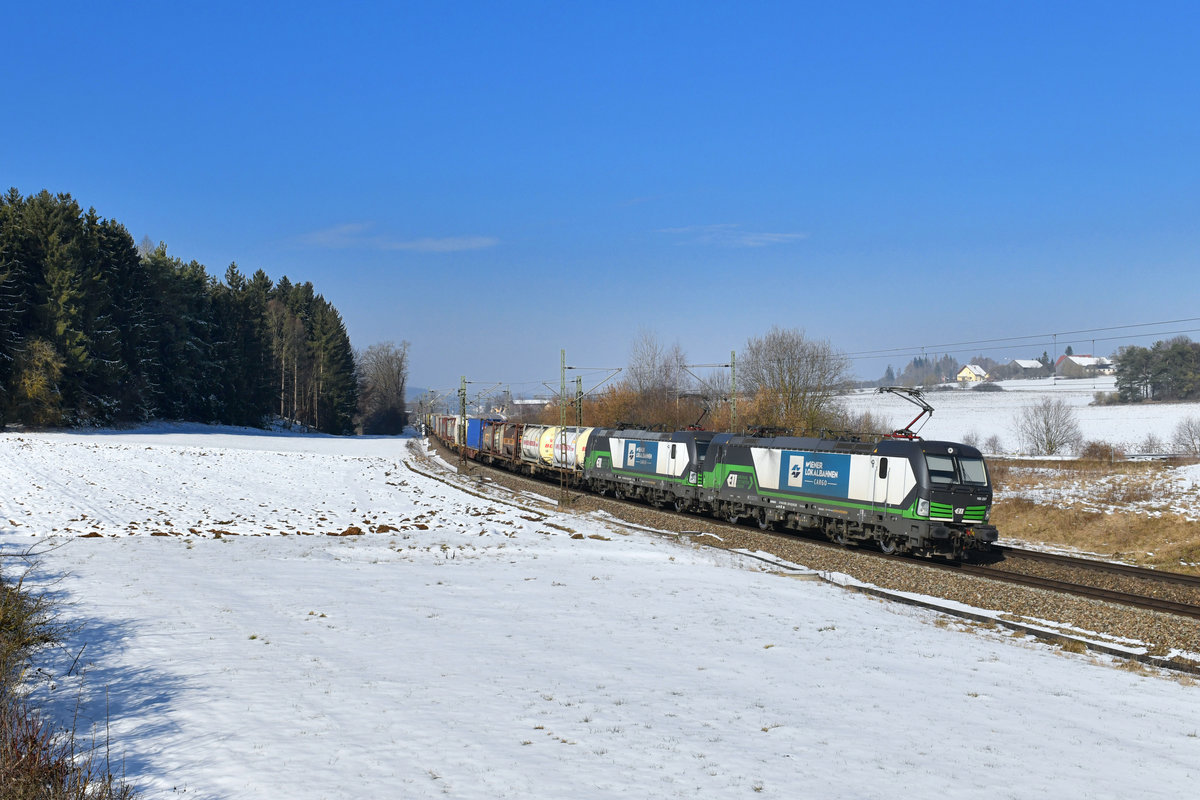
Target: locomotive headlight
{"x":922,"y":508}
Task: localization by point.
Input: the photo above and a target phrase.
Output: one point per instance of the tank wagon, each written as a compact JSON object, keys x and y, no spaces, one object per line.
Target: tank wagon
{"x":902,"y":494}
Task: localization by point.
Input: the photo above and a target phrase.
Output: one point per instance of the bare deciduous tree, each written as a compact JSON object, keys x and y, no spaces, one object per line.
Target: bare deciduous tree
{"x":1048,"y":427}
{"x":793,"y":379}
{"x":656,"y":378}
{"x":1186,"y":438}
{"x":1151,"y":444}
{"x":654,"y":368}
{"x":383,"y":372}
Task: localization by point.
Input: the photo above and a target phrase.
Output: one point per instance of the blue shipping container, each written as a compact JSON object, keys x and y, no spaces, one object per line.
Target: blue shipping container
{"x":475,"y":432}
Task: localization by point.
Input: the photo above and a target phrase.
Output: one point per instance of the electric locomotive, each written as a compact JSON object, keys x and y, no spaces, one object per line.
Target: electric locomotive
{"x":900,"y":492}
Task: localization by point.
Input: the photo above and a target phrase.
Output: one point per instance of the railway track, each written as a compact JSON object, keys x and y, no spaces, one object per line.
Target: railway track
{"x":1010,"y":569}
{"x":1136,"y":600}
{"x":997,"y":572}
{"x":1095,"y":565}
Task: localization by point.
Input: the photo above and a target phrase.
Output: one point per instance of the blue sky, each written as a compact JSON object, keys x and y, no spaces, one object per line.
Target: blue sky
{"x":496,"y":181}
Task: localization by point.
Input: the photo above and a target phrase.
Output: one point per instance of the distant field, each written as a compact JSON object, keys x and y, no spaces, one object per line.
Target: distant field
{"x":961,"y":414}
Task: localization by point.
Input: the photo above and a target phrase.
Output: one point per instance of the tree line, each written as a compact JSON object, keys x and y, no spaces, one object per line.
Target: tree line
{"x":97,"y":330}
{"x":1169,"y":370}
{"x":785,"y":381}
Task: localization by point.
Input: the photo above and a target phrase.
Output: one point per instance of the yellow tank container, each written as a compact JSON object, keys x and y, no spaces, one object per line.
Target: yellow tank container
{"x":581,"y":446}
{"x":547,"y":443}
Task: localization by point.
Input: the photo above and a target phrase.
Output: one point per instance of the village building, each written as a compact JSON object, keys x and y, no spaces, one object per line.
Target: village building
{"x":1026,"y":366}
{"x":1083,"y":366}
{"x":971,"y":373}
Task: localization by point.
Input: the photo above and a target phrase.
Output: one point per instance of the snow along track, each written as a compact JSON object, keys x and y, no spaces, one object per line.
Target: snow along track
{"x":1043,"y":611}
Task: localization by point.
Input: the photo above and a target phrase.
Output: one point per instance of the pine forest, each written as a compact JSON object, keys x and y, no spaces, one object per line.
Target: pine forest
{"x":95,"y":330}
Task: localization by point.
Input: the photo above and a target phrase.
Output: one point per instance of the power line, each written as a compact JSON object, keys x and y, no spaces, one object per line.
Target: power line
{"x":1044,"y":340}
{"x":1018,"y":340}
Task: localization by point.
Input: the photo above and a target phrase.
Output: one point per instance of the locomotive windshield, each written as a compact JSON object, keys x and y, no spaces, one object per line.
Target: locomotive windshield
{"x":973,"y":471}
{"x":956,"y":469}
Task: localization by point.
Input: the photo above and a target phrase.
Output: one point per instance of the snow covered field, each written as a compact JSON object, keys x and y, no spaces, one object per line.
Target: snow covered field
{"x":469,"y":647}
{"x":960,"y":414}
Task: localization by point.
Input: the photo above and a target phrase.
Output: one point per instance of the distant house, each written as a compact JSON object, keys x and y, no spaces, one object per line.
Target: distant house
{"x":536,"y":403}
{"x":1027,"y":364}
{"x":1083,"y":366}
{"x":971,"y":373}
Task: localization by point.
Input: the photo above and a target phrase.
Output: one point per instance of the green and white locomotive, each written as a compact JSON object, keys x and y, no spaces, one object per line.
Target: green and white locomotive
{"x":900,"y":492}
{"x":906,"y":495}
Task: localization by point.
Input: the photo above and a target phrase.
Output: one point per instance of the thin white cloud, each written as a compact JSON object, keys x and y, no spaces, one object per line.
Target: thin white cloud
{"x":449,"y":244}
{"x":356,"y":235}
{"x":730,"y":234}
{"x":347,"y":235}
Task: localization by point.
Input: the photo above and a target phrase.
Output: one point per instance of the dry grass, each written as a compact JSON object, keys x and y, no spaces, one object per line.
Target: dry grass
{"x":1009,"y":474}
{"x":1168,"y":541}
{"x":38,"y":759}
{"x":1123,"y":509}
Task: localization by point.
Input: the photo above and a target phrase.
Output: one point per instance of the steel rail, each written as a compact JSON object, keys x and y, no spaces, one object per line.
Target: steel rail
{"x":974,"y":570}
{"x":1080,"y":562}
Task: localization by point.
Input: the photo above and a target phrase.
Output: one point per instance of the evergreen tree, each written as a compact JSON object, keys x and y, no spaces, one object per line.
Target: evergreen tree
{"x":94,"y":328}
{"x":334,"y":380}
{"x":244,"y":391}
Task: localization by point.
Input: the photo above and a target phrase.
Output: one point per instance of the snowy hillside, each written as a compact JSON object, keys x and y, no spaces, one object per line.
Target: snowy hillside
{"x":960,"y":414}
{"x":485,"y":647}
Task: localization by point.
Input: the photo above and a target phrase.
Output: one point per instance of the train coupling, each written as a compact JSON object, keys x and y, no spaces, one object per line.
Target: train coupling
{"x":984,"y":534}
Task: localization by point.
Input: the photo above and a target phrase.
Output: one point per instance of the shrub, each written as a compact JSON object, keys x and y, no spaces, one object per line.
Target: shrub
{"x":1186,"y":438}
{"x":37,"y":758}
{"x":1101,"y":451}
{"x":40,"y":762}
{"x":1152,"y":445}
{"x":1048,"y":427}
{"x":26,"y":625}
{"x":987,"y":387}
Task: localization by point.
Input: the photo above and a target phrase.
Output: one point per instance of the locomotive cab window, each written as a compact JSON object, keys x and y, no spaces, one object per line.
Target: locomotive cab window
{"x":973,"y":471}
{"x":883,"y":468}
{"x":941,"y":468}
{"x":953,"y":469}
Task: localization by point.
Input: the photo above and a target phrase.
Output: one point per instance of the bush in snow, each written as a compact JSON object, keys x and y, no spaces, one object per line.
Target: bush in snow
{"x":1048,"y":427}
{"x":39,"y":759}
{"x":1152,"y":445}
{"x":1101,"y":451}
{"x":1187,"y":436}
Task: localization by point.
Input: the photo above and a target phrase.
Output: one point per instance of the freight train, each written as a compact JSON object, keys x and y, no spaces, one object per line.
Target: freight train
{"x":900,"y":493}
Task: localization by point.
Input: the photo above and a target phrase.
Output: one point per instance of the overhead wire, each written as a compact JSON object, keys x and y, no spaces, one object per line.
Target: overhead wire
{"x":1034,"y":340}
